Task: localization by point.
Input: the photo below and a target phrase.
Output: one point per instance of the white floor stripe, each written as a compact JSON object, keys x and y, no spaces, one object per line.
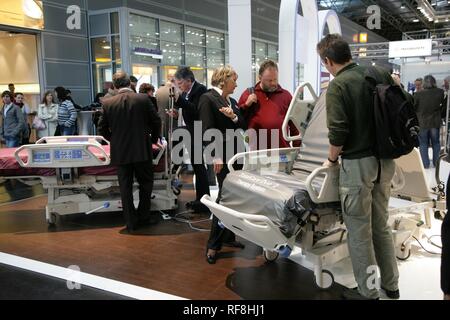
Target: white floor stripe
{"x":74,"y":277}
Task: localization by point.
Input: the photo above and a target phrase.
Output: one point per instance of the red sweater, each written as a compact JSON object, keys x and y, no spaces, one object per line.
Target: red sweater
{"x":269,"y":114}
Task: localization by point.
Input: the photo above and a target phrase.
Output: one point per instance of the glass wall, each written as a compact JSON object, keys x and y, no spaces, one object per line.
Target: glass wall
{"x":178,"y":45}
{"x":158,"y":47}
{"x":106,"y":55}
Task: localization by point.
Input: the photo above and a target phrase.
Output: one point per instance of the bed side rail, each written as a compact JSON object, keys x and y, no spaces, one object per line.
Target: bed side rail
{"x":299,"y":112}
{"x":62,"y":155}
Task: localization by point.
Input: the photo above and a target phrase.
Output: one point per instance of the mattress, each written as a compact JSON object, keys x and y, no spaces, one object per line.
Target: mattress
{"x":279,"y":196}
{"x":9,"y":167}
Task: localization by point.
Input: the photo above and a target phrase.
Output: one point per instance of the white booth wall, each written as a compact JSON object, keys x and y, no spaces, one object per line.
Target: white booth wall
{"x":418,"y":68}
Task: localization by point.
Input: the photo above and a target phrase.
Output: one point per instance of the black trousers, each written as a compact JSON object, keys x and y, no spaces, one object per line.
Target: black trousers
{"x":144,"y":176}
{"x":201,"y":175}
{"x":219,"y":235}
{"x":445,"y":234}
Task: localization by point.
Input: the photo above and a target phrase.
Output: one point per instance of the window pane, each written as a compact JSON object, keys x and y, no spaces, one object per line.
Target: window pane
{"x":101,"y":72}
{"x":260,"y":49}
{"x":195,"y":36}
{"x":216,"y":58}
{"x":101,"y":49}
{"x":145,"y":73}
{"x":98,"y":25}
{"x":171,"y":31}
{"x":114,"y":22}
{"x":116,"y":48}
{"x":273,"y":52}
{"x":199,"y":74}
{"x":172,"y":53}
{"x":142,"y":26}
{"x":215,"y":40}
{"x":117,"y":67}
{"x":195,"y":56}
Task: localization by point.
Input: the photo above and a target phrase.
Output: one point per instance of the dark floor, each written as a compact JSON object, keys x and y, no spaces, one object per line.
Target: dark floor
{"x":168,"y":257}
{"x":18,"y":284}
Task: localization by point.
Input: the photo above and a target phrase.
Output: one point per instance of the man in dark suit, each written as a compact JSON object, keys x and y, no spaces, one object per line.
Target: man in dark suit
{"x":128,"y":120}
{"x":188,"y":102}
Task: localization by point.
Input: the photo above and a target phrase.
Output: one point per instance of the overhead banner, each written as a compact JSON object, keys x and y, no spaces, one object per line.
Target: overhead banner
{"x":410,"y":48}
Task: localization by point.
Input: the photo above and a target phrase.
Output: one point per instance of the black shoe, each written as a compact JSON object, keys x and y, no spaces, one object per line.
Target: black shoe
{"x":392,"y":294}
{"x":211,"y":259}
{"x":353,"y":294}
{"x":152,"y":219}
{"x":234,"y":244}
{"x":197,"y":207}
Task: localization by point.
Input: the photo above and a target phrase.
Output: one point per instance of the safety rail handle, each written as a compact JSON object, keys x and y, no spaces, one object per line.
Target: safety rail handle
{"x":266,"y":154}
{"x":206,"y":200}
{"x":72,"y":139}
{"x":328,"y":192}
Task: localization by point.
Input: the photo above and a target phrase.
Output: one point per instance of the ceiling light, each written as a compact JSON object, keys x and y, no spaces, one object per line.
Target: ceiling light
{"x":106,"y":47}
{"x":32,"y":9}
{"x":402,"y":6}
{"x":415,"y":20}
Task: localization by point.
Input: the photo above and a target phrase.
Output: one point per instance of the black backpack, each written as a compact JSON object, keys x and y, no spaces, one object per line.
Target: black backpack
{"x":396,"y":123}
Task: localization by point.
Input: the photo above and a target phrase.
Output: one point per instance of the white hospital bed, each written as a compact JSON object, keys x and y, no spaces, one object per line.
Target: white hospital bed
{"x":319,"y":242}
{"x":76,"y":172}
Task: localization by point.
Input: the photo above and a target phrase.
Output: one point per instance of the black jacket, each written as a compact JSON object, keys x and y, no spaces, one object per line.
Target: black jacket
{"x":428,"y":105}
{"x":190,"y":106}
{"x":127,"y":121}
{"x":211,"y":117}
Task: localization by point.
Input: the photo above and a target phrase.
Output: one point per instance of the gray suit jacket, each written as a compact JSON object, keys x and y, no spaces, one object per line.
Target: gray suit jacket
{"x":13,"y":124}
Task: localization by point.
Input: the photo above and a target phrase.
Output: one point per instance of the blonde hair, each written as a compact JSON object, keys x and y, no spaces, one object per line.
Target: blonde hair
{"x":221,"y":76}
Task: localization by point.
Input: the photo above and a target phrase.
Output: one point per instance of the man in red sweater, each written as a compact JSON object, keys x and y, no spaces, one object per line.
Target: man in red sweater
{"x":265,"y":107}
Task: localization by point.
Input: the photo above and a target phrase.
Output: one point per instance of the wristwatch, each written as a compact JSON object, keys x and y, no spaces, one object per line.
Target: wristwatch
{"x":333,"y":161}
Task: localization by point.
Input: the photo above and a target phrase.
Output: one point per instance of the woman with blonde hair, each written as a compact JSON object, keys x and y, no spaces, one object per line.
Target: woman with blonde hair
{"x":48,"y":114}
{"x":217,"y":110}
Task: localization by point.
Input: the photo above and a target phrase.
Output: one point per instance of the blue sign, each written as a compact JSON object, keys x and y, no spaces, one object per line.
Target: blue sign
{"x":68,"y":154}
{"x":41,"y":156}
{"x":154,"y":53}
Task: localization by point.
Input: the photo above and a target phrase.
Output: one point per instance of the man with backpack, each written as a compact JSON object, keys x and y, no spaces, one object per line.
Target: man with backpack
{"x":365,"y":179}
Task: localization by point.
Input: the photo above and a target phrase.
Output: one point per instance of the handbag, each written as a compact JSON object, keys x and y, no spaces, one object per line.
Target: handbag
{"x":38,"y":124}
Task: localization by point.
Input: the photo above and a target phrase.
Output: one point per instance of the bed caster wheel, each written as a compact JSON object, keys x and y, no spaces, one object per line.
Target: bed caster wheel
{"x":270,"y":256}
{"x":285,"y":251}
{"x":403,"y":253}
{"x":176,"y":191}
{"x":438,"y":216}
{"x":52,"y":221}
{"x":325,"y":280}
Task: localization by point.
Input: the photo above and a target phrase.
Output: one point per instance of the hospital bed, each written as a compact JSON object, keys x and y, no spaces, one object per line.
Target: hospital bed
{"x":285,"y":201}
{"x":77,"y":173}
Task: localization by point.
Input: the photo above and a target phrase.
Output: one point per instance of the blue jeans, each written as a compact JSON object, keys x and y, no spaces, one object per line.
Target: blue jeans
{"x":12,"y":142}
{"x":425,"y":136}
{"x":67,"y":131}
